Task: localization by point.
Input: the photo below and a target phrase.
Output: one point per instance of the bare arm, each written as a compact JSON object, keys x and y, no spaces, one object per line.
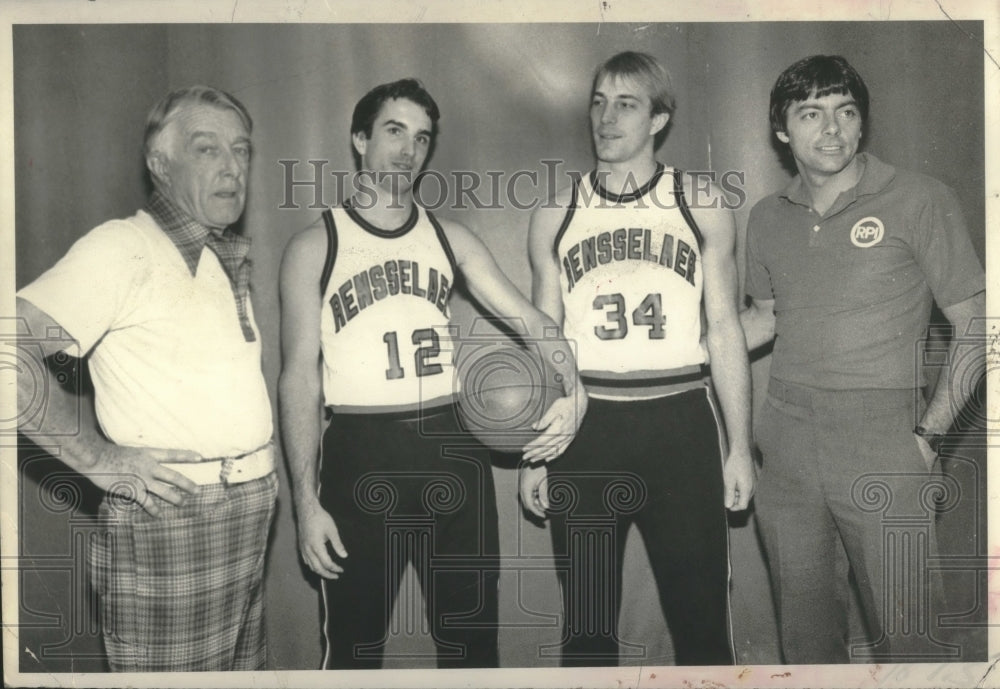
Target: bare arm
{"x":546,"y":294}
{"x":727,"y":348}
{"x":300,"y":401}
{"x":758,"y":320}
{"x":130,"y":471}
{"x":497,"y":293}
{"x":758,"y":323}
{"x":955,"y":386}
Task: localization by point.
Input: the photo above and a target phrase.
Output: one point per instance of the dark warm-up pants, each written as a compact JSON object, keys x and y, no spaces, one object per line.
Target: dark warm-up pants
{"x":656,"y":463}
{"x":410,"y":490}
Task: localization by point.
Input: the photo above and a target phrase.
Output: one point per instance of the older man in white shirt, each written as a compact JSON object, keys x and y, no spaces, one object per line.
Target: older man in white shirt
{"x":159,"y":305}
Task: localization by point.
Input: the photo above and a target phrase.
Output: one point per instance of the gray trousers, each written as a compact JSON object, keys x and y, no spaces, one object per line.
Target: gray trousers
{"x":844,"y":488}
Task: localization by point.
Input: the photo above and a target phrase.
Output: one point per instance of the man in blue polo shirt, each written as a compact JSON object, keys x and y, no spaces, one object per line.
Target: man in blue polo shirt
{"x":843,"y":265}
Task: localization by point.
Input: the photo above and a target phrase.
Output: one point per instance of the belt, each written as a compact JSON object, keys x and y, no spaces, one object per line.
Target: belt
{"x":818,"y":398}
{"x":228,"y":470}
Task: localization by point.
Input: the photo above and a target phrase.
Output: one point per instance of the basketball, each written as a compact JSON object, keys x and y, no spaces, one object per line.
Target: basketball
{"x":504,"y":389}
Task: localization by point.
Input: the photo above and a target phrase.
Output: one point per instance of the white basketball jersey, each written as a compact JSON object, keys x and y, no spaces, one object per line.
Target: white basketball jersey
{"x":384,"y":329}
{"x":631,"y":279}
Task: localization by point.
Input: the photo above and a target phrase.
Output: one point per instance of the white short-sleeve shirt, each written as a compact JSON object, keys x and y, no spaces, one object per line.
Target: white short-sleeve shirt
{"x":169,"y":361}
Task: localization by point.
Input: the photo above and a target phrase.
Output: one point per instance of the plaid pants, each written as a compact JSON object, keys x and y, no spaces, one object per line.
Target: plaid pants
{"x":184,"y":591}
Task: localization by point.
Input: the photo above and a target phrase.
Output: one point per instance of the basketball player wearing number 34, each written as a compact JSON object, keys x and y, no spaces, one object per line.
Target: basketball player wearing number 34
{"x":365,"y":335}
{"x":628,"y":260}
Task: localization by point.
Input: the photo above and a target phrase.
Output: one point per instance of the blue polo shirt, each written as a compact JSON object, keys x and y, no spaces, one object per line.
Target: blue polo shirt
{"x":853,"y":288}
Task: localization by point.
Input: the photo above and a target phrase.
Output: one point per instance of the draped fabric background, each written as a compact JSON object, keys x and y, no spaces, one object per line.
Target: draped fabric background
{"x":512,"y":96}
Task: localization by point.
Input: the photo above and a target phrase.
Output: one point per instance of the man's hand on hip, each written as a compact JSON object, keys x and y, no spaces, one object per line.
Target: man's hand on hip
{"x":138,"y":473}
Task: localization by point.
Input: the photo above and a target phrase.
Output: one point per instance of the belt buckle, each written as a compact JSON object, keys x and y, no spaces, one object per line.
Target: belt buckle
{"x":227,"y":468}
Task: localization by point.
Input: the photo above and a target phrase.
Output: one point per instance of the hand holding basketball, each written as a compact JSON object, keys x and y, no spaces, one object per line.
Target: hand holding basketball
{"x":558,"y":427}
{"x":508,"y":396}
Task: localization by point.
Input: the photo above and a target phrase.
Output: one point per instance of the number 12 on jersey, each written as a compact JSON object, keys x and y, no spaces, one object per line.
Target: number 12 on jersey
{"x":428,"y":347}
{"x":649,"y":312}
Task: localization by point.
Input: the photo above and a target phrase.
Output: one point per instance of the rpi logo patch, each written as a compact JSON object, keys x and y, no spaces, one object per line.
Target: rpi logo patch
{"x":867,"y":232}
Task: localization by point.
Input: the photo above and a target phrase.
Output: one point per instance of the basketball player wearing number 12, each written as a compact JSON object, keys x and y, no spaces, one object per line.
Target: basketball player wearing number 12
{"x":365,"y":335}
{"x":632,"y":259}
